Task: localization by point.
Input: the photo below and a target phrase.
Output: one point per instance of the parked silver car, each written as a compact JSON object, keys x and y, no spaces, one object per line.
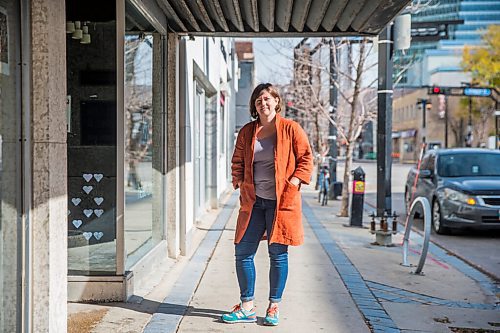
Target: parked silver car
{"x":462,"y":186}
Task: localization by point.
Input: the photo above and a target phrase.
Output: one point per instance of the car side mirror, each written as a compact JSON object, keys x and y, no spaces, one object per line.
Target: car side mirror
{"x":425,"y":173}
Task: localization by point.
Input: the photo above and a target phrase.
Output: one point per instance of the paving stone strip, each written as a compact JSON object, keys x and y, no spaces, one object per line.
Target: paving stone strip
{"x":393,"y":294}
{"x":489,"y":286}
{"x":375,"y":315}
{"x":170,"y":312}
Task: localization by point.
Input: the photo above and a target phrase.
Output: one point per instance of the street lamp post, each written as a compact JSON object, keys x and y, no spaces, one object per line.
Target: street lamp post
{"x":423,"y":101}
{"x":384,"y":124}
{"x":446,"y":122}
{"x":468,"y":140}
{"x":497,"y":117}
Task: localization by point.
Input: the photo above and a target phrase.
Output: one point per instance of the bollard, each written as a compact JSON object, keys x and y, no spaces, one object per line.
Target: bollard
{"x":358,"y":195}
{"x":372,"y":222}
{"x":395,"y":223}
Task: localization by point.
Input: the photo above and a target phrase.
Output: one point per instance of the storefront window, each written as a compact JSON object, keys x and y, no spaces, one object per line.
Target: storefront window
{"x":11,"y":240}
{"x":92,"y":148}
{"x":143,"y":211}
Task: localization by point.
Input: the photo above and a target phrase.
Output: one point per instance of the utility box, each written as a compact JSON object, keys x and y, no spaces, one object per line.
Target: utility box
{"x":358,"y":195}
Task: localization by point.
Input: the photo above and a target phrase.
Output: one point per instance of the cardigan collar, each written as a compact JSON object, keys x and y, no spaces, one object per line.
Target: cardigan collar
{"x":276,"y":123}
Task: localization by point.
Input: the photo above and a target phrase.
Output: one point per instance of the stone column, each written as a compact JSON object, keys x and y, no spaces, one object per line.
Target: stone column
{"x":173,"y":217}
{"x":48,"y":216}
{"x":159,"y":133}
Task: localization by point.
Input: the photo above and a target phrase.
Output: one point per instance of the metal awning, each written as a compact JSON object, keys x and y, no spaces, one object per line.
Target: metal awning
{"x":251,"y":18}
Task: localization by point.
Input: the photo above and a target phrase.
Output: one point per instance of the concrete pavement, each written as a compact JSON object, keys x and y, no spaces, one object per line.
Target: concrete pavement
{"x":338,"y":282}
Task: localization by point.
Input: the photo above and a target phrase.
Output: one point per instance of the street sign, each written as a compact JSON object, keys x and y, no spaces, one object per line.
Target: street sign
{"x":456,"y":91}
{"x":481,"y":92}
{"x":462,"y":91}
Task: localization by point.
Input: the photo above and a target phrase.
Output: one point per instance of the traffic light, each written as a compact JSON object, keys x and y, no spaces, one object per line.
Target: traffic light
{"x":435,"y":90}
{"x":291,"y":111}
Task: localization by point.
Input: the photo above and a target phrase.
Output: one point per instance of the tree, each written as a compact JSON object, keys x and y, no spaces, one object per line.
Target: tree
{"x":310,"y":88}
{"x":138,"y":107}
{"x":484,"y":61}
{"x":357,"y":105}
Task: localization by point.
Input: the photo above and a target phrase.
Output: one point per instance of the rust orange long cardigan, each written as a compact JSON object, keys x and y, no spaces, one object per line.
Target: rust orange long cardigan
{"x":292,"y":157}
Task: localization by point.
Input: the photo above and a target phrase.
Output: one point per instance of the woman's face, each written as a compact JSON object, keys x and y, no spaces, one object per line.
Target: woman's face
{"x":265,"y":105}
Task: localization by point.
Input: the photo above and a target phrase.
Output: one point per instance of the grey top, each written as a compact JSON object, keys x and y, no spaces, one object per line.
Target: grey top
{"x":263,"y":167}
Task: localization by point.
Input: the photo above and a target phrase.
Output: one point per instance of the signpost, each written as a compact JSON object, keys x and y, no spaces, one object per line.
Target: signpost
{"x":461,"y":91}
{"x":470,"y":92}
{"x":479,"y":92}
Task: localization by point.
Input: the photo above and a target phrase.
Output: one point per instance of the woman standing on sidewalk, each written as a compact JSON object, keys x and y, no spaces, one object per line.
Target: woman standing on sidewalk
{"x":272,"y":157}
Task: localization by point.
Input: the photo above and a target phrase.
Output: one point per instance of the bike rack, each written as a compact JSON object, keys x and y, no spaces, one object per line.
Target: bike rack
{"x":427,"y":233}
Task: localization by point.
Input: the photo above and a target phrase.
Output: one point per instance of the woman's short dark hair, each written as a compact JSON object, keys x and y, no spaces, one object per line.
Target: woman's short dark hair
{"x":256,"y":93}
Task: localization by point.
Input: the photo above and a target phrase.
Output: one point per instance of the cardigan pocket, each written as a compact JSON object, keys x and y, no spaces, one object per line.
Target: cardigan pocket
{"x":289,"y":197}
{"x":246,"y":198}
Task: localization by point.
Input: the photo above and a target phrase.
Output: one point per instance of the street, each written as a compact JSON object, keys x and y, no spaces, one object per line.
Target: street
{"x":479,"y":248}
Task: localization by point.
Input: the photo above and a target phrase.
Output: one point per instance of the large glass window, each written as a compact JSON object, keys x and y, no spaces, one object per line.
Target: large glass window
{"x":11,"y":240}
{"x":143,"y":211}
{"x":92,"y":149}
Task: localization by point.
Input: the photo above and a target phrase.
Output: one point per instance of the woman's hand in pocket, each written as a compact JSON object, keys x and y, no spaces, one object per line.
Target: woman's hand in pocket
{"x":295,"y":181}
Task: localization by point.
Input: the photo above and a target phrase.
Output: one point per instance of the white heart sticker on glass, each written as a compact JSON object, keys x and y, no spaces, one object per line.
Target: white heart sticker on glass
{"x":98,"y":176}
{"x":87,"y":177}
{"x":77,"y":223}
{"x":87,"y":189}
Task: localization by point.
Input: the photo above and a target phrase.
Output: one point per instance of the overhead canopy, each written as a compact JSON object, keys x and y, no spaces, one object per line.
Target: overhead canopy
{"x":253,"y":18}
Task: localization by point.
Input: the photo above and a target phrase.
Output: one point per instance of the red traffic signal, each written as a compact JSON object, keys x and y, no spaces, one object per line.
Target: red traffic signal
{"x":436,"y":91}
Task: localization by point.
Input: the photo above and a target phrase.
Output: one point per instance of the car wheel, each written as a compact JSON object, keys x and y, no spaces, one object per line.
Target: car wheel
{"x":437,"y":224}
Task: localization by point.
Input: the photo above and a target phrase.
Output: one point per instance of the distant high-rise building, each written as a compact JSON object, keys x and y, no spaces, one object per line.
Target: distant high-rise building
{"x":438,"y":62}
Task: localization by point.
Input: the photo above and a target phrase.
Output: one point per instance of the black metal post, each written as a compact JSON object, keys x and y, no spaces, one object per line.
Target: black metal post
{"x":358,"y":196}
{"x":446,"y":121}
{"x":468,"y":140}
{"x":496,"y":124}
{"x":496,"y":131}
{"x":424,"y":111}
{"x":384,"y":123}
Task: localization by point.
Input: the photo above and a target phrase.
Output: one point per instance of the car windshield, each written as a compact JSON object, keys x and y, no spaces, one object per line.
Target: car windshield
{"x":464,"y":165}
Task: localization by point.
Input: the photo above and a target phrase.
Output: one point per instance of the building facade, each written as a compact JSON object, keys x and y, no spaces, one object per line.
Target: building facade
{"x":438,"y":62}
{"x":246,"y":83}
{"x":115,"y":139}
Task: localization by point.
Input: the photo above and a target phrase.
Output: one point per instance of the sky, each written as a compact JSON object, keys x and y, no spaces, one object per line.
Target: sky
{"x":273,"y":59}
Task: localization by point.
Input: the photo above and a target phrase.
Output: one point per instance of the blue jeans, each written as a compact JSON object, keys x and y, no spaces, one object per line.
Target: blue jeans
{"x":261,"y":221}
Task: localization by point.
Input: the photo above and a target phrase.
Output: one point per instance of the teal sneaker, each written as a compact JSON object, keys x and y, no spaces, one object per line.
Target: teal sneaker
{"x":239,"y":315}
{"x":272,"y":315}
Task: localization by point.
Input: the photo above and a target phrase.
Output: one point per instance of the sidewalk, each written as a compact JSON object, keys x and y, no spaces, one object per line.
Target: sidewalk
{"x":338,"y":282}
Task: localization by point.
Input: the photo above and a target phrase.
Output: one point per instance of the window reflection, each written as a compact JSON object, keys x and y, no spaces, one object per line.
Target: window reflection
{"x":141,"y":178}
{"x":92,"y":112}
